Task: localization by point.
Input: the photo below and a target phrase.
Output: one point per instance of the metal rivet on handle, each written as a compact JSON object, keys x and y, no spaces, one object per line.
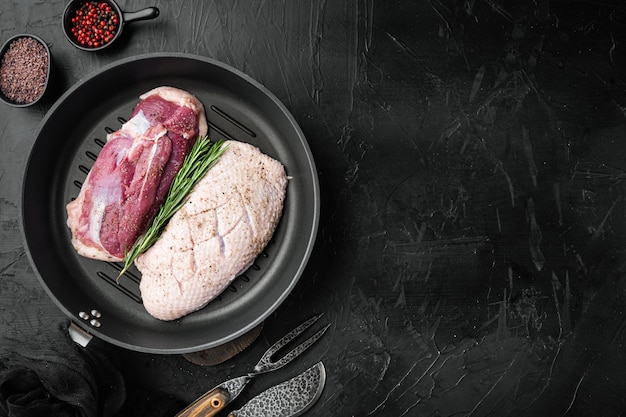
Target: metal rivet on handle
{"x":96,"y":314}
{"x":95,"y":323}
{"x":83,"y":315}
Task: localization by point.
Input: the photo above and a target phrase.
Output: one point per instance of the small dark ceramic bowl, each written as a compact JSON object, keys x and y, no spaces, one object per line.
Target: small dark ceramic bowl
{"x":4,"y":50}
{"x":124,"y":18}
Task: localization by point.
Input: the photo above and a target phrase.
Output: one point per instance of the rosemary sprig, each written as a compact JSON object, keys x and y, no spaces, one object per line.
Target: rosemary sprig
{"x":203,"y":155}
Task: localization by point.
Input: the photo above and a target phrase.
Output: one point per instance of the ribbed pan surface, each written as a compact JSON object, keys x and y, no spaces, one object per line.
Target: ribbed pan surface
{"x":67,"y":144}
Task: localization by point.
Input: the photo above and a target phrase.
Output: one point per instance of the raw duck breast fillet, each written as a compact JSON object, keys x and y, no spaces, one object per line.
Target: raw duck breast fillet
{"x":133,"y":173}
{"x":225,"y":224}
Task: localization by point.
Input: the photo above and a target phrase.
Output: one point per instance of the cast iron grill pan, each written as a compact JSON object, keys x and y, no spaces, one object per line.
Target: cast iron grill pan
{"x":68,"y":142}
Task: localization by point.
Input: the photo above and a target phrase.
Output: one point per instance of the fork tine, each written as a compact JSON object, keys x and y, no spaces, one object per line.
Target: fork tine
{"x":298,"y":349}
{"x":266,"y":364}
{"x":289,"y":337}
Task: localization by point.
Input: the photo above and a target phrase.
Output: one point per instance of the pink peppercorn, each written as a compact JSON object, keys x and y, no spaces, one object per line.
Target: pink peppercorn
{"x":94,"y":24}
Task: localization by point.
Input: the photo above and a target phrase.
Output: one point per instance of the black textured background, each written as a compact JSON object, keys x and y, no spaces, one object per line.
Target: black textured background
{"x":471,"y":252}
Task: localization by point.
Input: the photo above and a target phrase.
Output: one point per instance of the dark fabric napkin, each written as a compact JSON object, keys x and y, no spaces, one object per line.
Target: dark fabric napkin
{"x":61,"y":378}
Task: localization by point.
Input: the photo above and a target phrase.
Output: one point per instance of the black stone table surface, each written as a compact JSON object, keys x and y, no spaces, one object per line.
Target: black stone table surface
{"x":471,"y":155}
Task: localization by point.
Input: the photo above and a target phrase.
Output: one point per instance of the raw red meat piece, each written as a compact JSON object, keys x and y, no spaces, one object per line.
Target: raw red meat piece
{"x":133,"y":172}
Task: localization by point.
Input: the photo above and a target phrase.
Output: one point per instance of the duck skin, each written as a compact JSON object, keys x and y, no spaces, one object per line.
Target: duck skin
{"x":227,"y":221}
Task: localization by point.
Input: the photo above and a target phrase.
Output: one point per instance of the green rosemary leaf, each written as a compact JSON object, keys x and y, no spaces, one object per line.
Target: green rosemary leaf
{"x":202,"y":157}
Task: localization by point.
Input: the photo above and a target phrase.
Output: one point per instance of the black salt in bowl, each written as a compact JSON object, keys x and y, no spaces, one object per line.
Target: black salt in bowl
{"x":24,"y":70}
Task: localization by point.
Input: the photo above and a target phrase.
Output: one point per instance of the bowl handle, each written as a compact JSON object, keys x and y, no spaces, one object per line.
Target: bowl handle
{"x":143,"y":14}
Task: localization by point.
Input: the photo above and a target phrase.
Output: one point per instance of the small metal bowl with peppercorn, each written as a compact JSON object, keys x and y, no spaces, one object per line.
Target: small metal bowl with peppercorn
{"x":92,"y":25}
{"x":24,"y":70}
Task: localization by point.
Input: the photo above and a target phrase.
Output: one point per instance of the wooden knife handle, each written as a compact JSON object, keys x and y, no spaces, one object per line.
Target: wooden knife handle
{"x":208,"y":405}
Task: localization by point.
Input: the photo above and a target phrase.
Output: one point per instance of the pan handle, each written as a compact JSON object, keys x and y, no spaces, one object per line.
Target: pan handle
{"x":79,"y":335}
